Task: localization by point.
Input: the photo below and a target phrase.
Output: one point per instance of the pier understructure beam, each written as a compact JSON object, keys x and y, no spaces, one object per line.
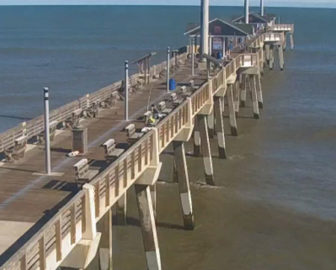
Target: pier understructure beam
{"x":183,"y":184}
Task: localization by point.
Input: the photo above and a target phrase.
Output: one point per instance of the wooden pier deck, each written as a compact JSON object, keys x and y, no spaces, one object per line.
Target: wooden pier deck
{"x":27,"y":198}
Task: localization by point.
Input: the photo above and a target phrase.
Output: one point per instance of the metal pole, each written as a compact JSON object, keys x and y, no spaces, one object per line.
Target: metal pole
{"x":126,"y":90}
{"x":193,"y":57}
{"x":247,"y":12}
{"x":46,"y":130}
{"x":168,"y":68}
{"x":204,"y":27}
{"x":262,"y":13}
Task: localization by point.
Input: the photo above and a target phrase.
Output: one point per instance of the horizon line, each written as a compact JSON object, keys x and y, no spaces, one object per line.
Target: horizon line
{"x":333,"y":6}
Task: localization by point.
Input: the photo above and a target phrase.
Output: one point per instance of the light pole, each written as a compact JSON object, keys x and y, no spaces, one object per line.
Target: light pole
{"x":168,"y":68}
{"x":126,"y":90}
{"x":47,"y":130}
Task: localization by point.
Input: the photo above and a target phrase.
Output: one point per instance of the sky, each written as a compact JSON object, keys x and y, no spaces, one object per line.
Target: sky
{"x":297,"y":3}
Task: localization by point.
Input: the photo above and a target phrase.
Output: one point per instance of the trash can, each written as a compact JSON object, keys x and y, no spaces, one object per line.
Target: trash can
{"x":172,"y":84}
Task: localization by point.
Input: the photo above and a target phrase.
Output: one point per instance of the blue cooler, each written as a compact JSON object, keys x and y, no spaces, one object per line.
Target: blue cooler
{"x":219,"y":55}
{"x":172,"y":84}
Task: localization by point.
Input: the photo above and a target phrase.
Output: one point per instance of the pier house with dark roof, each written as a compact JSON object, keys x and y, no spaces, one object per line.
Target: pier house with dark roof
{"x":223,"y":35}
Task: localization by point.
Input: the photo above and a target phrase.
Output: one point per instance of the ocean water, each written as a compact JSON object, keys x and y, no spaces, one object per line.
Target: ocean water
{"x":274,"y":206}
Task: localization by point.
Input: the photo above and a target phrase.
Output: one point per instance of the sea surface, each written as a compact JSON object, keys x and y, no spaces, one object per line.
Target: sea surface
{"x":274,"y":206}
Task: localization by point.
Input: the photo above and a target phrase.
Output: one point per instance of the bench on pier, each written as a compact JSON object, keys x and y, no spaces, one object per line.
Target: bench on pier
{"x":93,"y":110}
{"x":111,"y":150}
{"x":73,"y":121}
{"x":110,"y":101}
{"x":163,"y":108}
{"x":132,"y":135}
{"x":185,"y":91}
{"x":83,"y":172}
{"x":52,"y":132}
{"x":18,"y":150}
{"x":175,"y":99}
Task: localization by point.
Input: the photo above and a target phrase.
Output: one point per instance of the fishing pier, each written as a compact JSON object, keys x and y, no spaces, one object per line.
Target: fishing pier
{"x":56,"y":208}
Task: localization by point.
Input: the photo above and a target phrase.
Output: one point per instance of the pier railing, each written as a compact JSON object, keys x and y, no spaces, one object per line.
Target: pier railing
{"x":282,"y":28}
{"x":35,"y":126}
{"x":54,"y":241}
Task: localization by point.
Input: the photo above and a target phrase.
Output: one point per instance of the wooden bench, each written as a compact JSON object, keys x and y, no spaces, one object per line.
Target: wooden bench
{"x":163,"y":108}
{"x":111,"y":151}
{"x":132,"y":135}
{"x":93,"y":110}
{"x":175,"y":99}
{"x":83,"y":172}
{"x":110,"y":101}
{"x":73,"y":121}
{"x":18,"y":150}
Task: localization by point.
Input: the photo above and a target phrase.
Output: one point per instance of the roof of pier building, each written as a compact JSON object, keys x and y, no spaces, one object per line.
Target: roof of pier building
{"x":219,"y":27}
{"x":255,"y":18}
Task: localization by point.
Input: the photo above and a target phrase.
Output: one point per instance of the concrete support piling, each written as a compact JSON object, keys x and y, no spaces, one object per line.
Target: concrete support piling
{"x":211,"y":124}
{"x":105,"y":246}
{"x":267,"y":52}
{"x":232,"y":114}
{"x":184,"y":186}
{"x":148,"y":227}
{"x":220,"y":126}
{"x":121,"y":210}
{"x":255,"y":104}
{"x":197,"y":139}
{"x":236,"y":96}
{"x":243,"y":91}
{"x":291,"y":39}
{"x":153,"y":195}
{"x":259,"y":92}
{"x":206,"y":150}
{"x":271,"y":58}
{"x":281,"y":57}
